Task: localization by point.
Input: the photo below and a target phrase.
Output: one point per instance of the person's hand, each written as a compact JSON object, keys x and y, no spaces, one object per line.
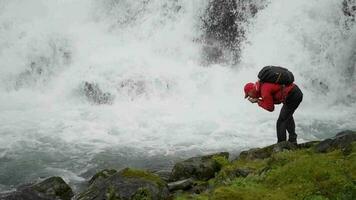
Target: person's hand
{"x":253,"y":100}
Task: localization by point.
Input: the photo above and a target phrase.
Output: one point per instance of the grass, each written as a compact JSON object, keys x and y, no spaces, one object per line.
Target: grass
{"x":135,"y":173}
{"x":297,"y":175}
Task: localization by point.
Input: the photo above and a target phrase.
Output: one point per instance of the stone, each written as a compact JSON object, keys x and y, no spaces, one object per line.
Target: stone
{"x":95,"y":95}
{"x":127,"y":184}
{"x":342,"y":141}
{"x":307,"y":145}
{"x":349,"y":8}
{"x":283,"y":146}
{"x":52,"y":188}
{"x":200,"y":168}
{"x":164,"y":174}
{"x":102,"y":176}
{"x":256,"y":153}
{"x":266,"y":152}
{"x":181,"y":185}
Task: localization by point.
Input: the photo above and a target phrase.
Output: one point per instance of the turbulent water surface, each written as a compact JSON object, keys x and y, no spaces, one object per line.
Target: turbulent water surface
{"x":91,"y":84}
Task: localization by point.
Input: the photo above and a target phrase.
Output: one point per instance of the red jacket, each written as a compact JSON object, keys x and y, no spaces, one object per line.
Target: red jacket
{"x":271,"y":93}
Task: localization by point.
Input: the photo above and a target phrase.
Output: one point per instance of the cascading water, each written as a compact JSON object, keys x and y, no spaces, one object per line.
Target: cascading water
{"x":93,"y":84}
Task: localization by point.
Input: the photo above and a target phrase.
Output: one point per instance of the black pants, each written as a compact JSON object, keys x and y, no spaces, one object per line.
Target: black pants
{"x":285,"y":120}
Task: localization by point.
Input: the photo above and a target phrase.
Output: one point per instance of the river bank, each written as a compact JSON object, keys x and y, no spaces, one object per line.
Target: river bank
{"x":313,"y":170}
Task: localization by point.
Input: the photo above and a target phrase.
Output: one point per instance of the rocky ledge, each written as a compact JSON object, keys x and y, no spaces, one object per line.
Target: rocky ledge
{"x":316,"y":170}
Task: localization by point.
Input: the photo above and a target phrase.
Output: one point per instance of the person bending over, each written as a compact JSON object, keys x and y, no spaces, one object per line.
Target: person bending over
{"x":268,"y":94}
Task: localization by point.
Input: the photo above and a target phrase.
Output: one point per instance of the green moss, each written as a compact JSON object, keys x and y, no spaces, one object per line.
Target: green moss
{"x":54,"y":186}
{"x":299,"y":174}
{"x":142,"y":194}
{"x":221,"y":161}
{"x":134,"y":173}
{"x":245,"y":190}
{"x":191,"y":197}
{"x":111,"y":194}
{"x":302,"y":173}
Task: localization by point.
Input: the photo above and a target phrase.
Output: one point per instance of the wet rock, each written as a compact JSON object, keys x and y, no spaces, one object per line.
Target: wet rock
{"x":307,"y":145}
{"x":181,"y":185}
{"x":266,"y":152}
{"x":95,"y":95}
{"x":52,"y":188}
{"x":349,"y":8}
{"x":256,"y":153}
{"x":341,"y":141}
{"x":223,"y":24}
{"x":282,"y":146}
{"x":102,"y":176}
{"x":164,"y":174}
{"x":200,"y":168}
{"x":126,"y":184}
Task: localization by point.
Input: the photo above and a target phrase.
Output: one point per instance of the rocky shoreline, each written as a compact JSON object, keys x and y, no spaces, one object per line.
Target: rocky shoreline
{"x":313,"y":170}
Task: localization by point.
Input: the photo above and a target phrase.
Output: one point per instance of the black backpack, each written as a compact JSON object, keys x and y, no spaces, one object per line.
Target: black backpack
{"x":275,"y":74}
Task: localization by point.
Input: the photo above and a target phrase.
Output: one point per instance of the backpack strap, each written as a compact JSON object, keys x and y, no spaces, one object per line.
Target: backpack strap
{"x":279,"y":77}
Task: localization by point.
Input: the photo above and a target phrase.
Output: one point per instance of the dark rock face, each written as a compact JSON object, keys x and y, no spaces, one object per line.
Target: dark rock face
{"x":200,"y":168}
{"x":127,"y":184}
{"x":95,"y":95}
{"x":341,"y":141}
{"x":266,"y":152}
{"x":349,"y":8}
{"x":223,"y":24}
{"x":51,"y":188}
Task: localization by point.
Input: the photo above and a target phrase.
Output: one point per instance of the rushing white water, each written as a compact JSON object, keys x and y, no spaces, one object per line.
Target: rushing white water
{"x":165,"y":104}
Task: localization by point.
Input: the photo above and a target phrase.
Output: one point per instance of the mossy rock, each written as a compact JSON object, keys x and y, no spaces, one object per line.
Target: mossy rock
{"x":164,"y":174}
{"x":54,"y":187}
{"x":200,"y":168}
{"x":301,"y":174}
{"x":341,"y":141}
{"x":266,"y":152}
{"x":127,"y":184}
{"x":51,"y":188}
{"x":101,"y":176}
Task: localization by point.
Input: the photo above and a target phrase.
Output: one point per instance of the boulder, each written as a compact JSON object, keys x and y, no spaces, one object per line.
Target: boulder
{"x":307,"y":145}
{"x":283,"y":146}
{"x":52,"y":188}
{"x":341,"y":141}
{"x":200,"y":168}
{"x":242,"y":172}
{"x":95,"y":95}
{"x":127,"y":184}
{"x":101,"y":176}
{"x":181,"y":185}
{"x":266,"y":152}
{"x":164,"y":174}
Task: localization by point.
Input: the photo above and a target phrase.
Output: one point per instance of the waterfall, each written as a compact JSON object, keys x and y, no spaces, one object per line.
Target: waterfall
{"x":92,"y":84}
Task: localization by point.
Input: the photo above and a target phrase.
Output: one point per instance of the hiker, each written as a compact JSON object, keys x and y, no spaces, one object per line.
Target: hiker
{"x":276,"y":86}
